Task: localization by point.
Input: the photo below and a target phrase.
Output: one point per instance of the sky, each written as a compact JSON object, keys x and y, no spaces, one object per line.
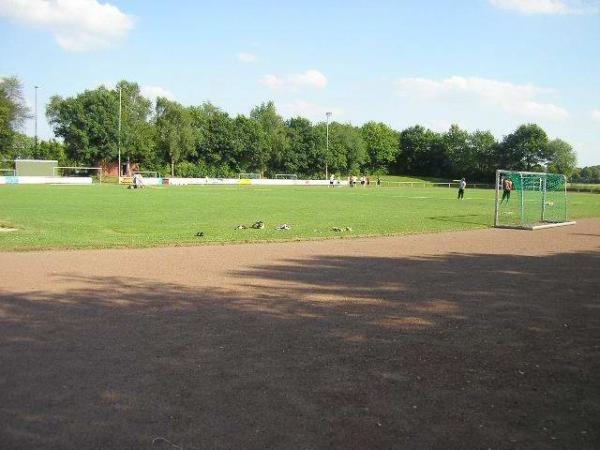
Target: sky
{"x":482,"y":64}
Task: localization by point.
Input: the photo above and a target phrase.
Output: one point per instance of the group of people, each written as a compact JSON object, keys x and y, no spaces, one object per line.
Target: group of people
{"x":505,"y":182}
{"x":352,"y":181}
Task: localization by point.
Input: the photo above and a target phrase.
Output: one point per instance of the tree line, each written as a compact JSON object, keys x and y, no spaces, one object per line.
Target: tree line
{"x":204,"y":140}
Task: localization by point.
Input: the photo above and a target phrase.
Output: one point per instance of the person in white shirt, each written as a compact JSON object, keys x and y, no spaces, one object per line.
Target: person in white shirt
{"x":332,"y":180}
{"x":461,"y":189}
{"x":138,"y":182}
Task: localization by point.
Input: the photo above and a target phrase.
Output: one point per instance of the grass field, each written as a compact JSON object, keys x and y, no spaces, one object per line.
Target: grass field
{"x":103,"y":216}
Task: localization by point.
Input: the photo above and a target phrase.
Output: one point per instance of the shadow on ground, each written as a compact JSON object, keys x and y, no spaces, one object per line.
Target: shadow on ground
{"x":472,"y":219}
{"x":461,"y":351}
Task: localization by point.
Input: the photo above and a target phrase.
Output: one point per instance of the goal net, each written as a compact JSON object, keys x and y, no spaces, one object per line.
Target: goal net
{"x":76,"y":171}
{"x":286,"y":176}
{"x":249,"y":175}
{"x":530,"y":200}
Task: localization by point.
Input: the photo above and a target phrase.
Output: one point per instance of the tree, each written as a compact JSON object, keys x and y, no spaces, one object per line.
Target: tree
{"x":301,"y":155}
{"x":88,"y":123}
{"x":351,"y":147}
{"x":382,"y":144}
{"x":13,"y":112}
{"x":525,"y":148}
{"x":562,"y":157}
{"x":459,"y":152}
{"x":422,"y":152}
{"x":250,"y":142}
{"x":175,"y":136}
{"x":485,"y":149}
{"x":273,"y":127}
{"x":137,"y":133}
{"x":6,"y":131}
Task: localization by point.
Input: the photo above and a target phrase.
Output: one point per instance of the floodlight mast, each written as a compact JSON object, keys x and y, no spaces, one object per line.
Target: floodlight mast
{"x":328,"y":116}
{"x":35,"y":121}
{"x":119,"y":138}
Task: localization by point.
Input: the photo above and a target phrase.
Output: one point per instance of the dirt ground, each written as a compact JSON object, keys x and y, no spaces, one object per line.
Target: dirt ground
{"x":471,"y":340}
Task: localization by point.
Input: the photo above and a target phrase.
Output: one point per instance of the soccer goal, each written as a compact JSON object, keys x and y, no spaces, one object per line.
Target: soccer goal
{"x":8,"y":172}
{"x":77,"y":171}
{"x":249,"y":175}
{"x":530,"y":200}
{"x":286,"y":176}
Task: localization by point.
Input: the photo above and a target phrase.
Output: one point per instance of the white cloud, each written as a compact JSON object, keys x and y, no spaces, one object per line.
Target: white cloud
{"x":271,"y":81}
{"x":596,"y":115}
{"x":545,"y":6}
{"x":152,"y":92}
{"x":245,"y":57}
{"x":517,"y":100}
{"x":77,"y":25}
{"x":311,"y":78}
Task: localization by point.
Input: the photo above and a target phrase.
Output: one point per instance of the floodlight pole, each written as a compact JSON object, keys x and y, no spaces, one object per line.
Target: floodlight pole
{"x":35,"y":119}
{"x":328,"y":115}
{"x":119,"y":136}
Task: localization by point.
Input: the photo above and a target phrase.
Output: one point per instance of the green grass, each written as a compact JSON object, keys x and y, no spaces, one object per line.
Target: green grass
{"x":407,"y":179}
{"x":584,"y":187}
{"x":103,"y":216}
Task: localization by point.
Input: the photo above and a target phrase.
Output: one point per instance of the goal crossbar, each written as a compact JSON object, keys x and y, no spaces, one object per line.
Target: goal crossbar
{"x":75,"y":168}
{"x":541,"y":200}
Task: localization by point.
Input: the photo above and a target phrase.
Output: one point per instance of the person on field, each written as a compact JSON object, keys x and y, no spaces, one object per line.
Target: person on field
{"x":332,"y":180}
{"x":138,"y":181}
{"x":507,"y":186}
{"x":461,"y":189}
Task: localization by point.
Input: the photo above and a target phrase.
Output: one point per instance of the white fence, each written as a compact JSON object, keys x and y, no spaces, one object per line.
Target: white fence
{"x":46,"y":180}
{"x":246,"y":182}
{"x":425,"y":184}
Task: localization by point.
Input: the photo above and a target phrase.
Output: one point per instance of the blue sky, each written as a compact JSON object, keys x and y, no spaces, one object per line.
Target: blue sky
{"x":483,"y":64}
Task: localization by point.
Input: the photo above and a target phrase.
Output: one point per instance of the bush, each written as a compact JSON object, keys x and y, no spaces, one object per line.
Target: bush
{"x":188,"y":169}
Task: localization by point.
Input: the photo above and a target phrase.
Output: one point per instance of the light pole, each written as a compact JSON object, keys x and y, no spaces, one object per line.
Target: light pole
{"x":328,"y":115}
{"x":35,"y":119}
{"x":119,"y":136}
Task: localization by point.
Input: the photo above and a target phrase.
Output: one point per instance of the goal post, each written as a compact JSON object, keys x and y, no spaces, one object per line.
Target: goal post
{"x":78,"y":171}
{"x":249,"y":175}
{"x":286,"y":176}
{"x":530,"y":200}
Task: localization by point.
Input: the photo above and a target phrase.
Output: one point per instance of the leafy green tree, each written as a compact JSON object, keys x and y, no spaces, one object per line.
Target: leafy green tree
{"x":88,"y":124}
{"x":484,"y":148}
{"x":354,"y":147}
{"x":301,"y":156}
{"x":250,"y":145}
{"x":137,"y":133}
{"x":6,"y":131}
{"x":525,"y":148}
{"x":422,"y":152}
{"x":13,"y":113}
{"x":174,"y":132}
{"x":562,"y":157}
{"x":273,"y":127}
{"x":12,"y":89}
{"x":460,"y":154}
{"x":220,"y":149}
{"x":382,"y":145}
{"x":347,"y":149}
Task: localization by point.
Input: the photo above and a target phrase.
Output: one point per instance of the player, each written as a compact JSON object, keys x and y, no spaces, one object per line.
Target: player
{"x":507,"y":186}
{"x":461,"y":189}
{"x":331,"y":180}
